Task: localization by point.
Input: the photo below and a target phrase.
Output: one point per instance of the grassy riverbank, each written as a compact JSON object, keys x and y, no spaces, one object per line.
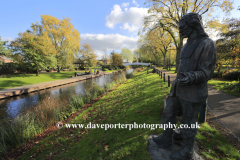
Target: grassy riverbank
{"x":140,"y":100}
{"x":15,"y":80}
{"x":46,"y":114}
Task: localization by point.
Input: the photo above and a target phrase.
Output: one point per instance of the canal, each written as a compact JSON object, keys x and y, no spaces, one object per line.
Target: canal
{"x":11,"y":107}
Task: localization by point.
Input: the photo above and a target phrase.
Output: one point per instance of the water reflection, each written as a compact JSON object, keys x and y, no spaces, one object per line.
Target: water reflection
{"x":11,"y":107}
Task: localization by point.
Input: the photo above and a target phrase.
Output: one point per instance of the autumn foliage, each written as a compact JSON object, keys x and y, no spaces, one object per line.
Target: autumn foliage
{"x":228,"y":46}
{"x":36,"y":49}
{"x":166,"y":14}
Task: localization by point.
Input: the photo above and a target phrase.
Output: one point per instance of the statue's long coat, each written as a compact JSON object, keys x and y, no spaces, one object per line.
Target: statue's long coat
{"x":197,"y":59}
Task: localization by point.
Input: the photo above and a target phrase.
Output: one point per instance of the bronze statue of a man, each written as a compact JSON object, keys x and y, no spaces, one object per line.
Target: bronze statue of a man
{"x":189,"y":90}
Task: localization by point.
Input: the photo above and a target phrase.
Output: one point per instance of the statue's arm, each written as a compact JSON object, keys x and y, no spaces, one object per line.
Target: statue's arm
{"x":206,"y":64}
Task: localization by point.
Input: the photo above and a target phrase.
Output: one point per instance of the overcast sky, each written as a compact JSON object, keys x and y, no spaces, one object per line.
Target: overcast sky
{"x":105,"y":24}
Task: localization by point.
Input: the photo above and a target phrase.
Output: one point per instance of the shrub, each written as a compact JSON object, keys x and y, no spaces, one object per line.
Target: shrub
{"x":231,"y":75}
{"x":130,"y":75}
{"x":76,"y":102}
{"x":108,"y":67}
{"x":154,"y":70}
{"x":122,"y":67}
{"x":105,"y":69}
{"x":128,"y":67}
{"x":234,"y":86}
{"x":216,"y":75}
{"x":111,"y":67}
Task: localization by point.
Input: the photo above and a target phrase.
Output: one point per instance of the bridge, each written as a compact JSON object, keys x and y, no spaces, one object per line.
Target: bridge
{"x":136,"y":63}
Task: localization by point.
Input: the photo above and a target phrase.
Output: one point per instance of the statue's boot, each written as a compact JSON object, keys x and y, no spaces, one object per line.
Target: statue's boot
{"x":186,"y":150}
{"x":177,"y":138}
{"x":164,"y":140}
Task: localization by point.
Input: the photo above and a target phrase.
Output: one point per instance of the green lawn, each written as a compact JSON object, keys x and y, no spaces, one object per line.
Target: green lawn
{"x":140,"y":100}
{"x":224,"y":86}
{"x":111,"y":70}
{"x":172,"y":69}
{"x":15,"y":80}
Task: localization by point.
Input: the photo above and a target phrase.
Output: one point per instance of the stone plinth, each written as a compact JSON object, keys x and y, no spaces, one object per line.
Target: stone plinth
{"x":163,"y":154}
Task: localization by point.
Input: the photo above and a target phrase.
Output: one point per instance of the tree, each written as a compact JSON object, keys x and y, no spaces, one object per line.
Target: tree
{"x":228,"y":46}
{"x":159,"y":42}
{"x":35,"y":49}
{"x":3,"y":50}
{"x":126,"y":54}
{"x":134,"y":58}
{"x":116,"y":59}
{"x":100,"y":63}
{"x":106,"y":57}
{"x":88,"y":55}
{"x":137,"y":54}
{"x":167,"y":14}
{"x":64,"y":37}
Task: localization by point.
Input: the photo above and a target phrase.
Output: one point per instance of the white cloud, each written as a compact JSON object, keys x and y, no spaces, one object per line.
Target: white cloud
{"x":108,"y":42}
{"x":213,"y":34}
{"x":99,"y":54}
{"x":9,"y":39}
{"x":125,"y":4}
{"x":131,"y":19}
{"x":134,"y":2}
{"x":114,"y":16}
{"x":130,"y":28}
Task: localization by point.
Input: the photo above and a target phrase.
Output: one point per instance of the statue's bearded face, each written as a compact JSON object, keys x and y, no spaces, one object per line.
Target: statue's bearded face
{"x":184,"y":29}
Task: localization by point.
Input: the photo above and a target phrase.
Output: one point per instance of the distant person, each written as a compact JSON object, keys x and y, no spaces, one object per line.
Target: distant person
{"x":94,"y":71}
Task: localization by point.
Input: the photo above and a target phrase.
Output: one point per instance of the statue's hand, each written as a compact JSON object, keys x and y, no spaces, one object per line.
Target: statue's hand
{"x":184,"y":81}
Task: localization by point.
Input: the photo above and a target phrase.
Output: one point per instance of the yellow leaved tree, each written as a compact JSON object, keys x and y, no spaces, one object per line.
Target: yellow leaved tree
{"x":64,"y":37}
{"x":88,"y":55}
{"x":155,"y":43}
{"x":166,"y":14}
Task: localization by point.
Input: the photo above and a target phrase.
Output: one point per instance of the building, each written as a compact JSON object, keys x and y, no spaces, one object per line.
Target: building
{"x":5,"y":59}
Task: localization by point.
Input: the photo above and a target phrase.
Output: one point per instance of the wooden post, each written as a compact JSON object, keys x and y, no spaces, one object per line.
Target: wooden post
{"x":168,"y":81}
{"x":163,"y":77}
{"x":203,"y":113}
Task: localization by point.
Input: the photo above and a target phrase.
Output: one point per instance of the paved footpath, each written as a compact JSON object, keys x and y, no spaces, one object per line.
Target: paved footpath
{"x":225,"y":106}
{"x":5,"y":93}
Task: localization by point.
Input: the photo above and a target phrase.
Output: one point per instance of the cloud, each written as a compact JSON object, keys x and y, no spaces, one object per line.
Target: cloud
{"x":9,"y":39}
{"x":109,"y":42}
{"x":213,"y":34}
{"x":125,"y":4}
{"x":99,"y":54}
{"x":134,"y":2}
{"x":130,"y":28}
{"x":130,"y":19}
